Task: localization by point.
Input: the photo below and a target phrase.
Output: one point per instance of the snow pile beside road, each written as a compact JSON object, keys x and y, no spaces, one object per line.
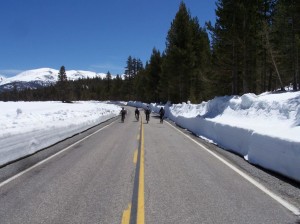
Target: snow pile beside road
{"x":264,"y":129}
{"x":26,"y":127}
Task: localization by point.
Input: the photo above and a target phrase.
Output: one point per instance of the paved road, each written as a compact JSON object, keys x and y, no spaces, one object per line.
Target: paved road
{"x":186,"y":184}
{"x":91,"y":182}
{"x":99,"y":180}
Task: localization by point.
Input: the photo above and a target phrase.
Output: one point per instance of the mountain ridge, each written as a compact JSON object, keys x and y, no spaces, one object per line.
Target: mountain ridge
{"x":41,"y":77}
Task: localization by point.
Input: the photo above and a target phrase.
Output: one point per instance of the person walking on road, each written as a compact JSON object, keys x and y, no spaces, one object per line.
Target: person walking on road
{"x":147,"y":112}
{"x":123,"y":112}
{"x":161,"y":114}
{"x":137,"y":113}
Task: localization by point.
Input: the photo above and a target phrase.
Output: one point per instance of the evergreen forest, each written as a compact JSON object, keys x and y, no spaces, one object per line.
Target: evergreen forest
{"x":252,"y":47}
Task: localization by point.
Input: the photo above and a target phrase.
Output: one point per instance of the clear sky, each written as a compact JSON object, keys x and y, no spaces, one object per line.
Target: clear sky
{"x":93,"y":35}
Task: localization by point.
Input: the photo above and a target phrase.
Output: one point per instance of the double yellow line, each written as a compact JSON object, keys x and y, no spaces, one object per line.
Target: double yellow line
{"x":141,"y":199}
{"x":140,"y":218}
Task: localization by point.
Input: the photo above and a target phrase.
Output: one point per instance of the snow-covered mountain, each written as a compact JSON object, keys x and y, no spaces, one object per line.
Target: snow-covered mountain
{"x":42,"y":77}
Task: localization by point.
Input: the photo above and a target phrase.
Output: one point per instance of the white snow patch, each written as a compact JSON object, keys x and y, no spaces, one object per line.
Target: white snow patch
{"x":26,"y":127}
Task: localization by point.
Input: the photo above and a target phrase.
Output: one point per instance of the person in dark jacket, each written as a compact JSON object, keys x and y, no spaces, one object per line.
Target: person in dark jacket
{"x":137,"y":113}
{"x":161,"y":114}
{"x":147,"y":112}
{"x":123,"y":112}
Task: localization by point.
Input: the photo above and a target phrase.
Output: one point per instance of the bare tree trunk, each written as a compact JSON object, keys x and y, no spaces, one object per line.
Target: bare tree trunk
{"x":270,"y":80}
{"x":234,"y":71}
{"x":297,"y":81}
{"x":234,"y":63}
{"x":297,"y":70}
{"x":245,"y":73}
{"x":264,"y":72}
{"x":269,"y":48}
{"x":294,"y":54}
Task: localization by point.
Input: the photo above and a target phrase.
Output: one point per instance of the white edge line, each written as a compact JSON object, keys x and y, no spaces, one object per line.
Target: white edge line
{"x":280,"y":200}
{"x":50,"y":157}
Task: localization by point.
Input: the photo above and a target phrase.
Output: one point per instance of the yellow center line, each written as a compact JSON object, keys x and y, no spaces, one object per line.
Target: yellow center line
{"x":135,"y":156}
{"x":138,"y":155}
{"x":126,"y":215}
{"x":141,"y":202}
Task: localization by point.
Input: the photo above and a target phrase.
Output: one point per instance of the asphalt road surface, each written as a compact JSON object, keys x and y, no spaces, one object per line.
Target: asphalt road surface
{"x":134,"y":172}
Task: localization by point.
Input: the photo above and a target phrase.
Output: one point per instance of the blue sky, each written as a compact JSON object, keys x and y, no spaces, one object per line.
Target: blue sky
{"x":93,"y":35}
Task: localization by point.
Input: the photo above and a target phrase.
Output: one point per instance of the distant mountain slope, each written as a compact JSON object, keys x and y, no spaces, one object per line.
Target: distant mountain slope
{"x":41,"y":77}
{"x":2,"y":79}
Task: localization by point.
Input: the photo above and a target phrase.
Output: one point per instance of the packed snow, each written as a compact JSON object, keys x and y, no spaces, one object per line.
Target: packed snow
{"x":264,"y":129}
{"x":26,"y":127}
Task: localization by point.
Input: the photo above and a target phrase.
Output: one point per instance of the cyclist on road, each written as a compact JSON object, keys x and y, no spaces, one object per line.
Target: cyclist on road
{"x":123,"y":112}
{"x":161,"y":114}
{"x":147,"y":112}
{"x":137,"y":113}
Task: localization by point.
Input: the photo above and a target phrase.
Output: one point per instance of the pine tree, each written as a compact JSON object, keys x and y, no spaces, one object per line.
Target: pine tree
{"x":186,"y":62}
{"x":62,"y":84}
{"x":286,"y":31}
{"x":117,"y":84}
{"x":134,"y":66}
{"x":202,"y":64}
{"x":179,"y":56}
{"x":154,"y":71}
{"x":226,"y":48}
{"x":108,"y":80}
{"x":140,"y":86}
{"x":239,"y":46}
{"x":264,"y":64}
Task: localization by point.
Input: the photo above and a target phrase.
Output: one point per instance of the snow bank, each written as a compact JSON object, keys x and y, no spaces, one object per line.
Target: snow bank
{"x":264,"y":129}
{"x":26,"y":127}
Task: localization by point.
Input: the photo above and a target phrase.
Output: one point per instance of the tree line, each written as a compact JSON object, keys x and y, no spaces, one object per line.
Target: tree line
{"x":254,"y":47}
